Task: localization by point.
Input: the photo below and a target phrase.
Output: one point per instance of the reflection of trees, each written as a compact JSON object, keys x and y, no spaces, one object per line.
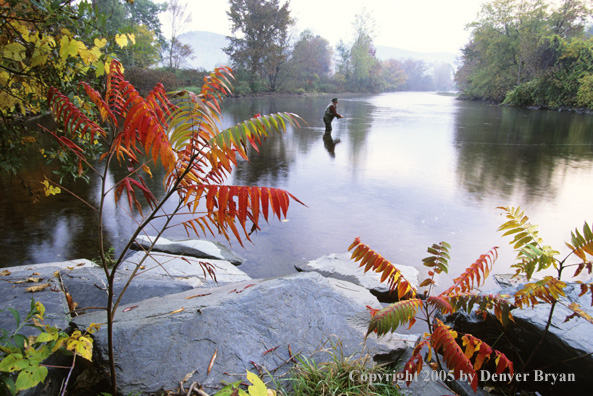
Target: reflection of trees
{"x":508,"y":151}
{"x":359,"y":122}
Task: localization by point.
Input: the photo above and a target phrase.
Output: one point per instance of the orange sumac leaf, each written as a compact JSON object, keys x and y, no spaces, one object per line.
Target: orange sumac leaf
{"x":444,"y":339}
{"x":369,"y":259}
{"x":475,"y":274}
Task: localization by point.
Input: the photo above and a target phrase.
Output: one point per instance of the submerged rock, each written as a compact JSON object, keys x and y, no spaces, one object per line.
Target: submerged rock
{"x":341,"y":266}
{"x":190,"y":247}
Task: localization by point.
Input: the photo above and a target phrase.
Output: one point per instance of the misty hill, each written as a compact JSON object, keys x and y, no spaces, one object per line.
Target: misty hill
{"x":208,"y":52}
{"x":207,"y":48}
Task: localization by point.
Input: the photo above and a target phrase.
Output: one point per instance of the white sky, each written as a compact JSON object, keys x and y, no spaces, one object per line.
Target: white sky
{"x":415,"y":25}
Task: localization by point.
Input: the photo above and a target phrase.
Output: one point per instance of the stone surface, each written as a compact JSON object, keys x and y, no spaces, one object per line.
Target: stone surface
{"x":163,"y":339}
{"x":191,"y":247}
{"x":340,"y":266}
{"x":185,"y":269}
{"x":13,"y":287}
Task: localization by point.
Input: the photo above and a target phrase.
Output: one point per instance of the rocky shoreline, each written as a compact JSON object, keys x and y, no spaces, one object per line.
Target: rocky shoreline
{"x":175,"y":322}
{"x":174,"y":317}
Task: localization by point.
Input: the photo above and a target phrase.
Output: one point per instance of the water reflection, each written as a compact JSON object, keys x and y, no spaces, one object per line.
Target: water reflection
{"x":330,"y":143}
{"x":401,"y":170}
{"x":519,"y":153}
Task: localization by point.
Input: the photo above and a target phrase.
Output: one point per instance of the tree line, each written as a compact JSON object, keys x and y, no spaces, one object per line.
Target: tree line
{"x":530,"y":53}
{"x":59,"y":43}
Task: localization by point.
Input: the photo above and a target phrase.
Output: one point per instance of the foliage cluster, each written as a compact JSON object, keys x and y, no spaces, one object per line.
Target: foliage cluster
{"x":22,"y":356}
{"x":463,"y":354}
{"x":529,"y":53}
{"x":181,"y":133}
{"x":341,"y":375}
{"x":43,"y":44}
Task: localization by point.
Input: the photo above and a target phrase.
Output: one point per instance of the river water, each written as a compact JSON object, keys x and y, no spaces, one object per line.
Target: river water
{"x":401,"y":170}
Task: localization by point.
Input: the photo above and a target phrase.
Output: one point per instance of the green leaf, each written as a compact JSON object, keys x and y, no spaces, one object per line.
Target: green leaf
{"x":30,"y":377}
{"x":16,"y":315}
{"x":13,"y":362}
{"x":9,"y":383}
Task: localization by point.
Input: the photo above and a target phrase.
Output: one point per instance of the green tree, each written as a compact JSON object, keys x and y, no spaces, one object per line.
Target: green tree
{"x":309,"y":62}
{"x":138,"y":17}
{"x":515,"y":51}
{"x":363,"y":59}
{"x":260,"y":46}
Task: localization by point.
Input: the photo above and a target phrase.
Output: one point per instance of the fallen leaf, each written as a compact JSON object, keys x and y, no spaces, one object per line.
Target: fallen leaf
{"x":198,"y":295}
{"x":35,"y":273}
{"x":177,"y":311}
{"x":34,"y":280}
{"x":5,"y":273}
{"x":80,"y":265}
{"x":70,"y":268}
{"x":130,"y":308}
{"x":34,"y":289}
{"x":211,"y":362}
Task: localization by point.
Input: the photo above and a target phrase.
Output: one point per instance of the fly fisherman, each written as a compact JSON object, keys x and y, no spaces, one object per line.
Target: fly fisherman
{"x":331,"y":111}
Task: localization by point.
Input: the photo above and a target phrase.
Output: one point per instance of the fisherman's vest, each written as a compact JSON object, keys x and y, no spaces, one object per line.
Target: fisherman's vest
{"x":328,"y":113}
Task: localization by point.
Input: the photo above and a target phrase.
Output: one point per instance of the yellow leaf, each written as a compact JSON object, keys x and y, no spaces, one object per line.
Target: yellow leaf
{"x":15,"y":51}
{"x":176,"y":311}
{"x":68,"y":47}
{"x":5,"y":273}
{"x":121,"y":40}
{"x":132,"y":38}
{"x":258,"y":388}
{"x":576,"y":308}
{"x":100,"y":43}
{"x":34,"y":289}
{"x":81,"y":345}
{"x":93,"y":328}
{"x":146,"y":169}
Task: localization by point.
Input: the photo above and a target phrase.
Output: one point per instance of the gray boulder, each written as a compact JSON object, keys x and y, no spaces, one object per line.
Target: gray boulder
{"x":248,"y":325}
{"x":190,"y":247}
{"x":563,"y":362}
{"x":341,"y":266}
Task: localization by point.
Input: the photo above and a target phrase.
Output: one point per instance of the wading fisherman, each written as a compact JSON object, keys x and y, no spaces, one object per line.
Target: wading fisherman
{"x":331,"y":111}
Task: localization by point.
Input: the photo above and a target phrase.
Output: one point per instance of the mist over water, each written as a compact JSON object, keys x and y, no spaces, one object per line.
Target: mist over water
{"x":401,"y":170}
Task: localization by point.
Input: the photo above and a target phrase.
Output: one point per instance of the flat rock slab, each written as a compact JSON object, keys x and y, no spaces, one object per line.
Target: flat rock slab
{"x":341,"y":266}
{"x":186,"y":269}
{"x":261,"y":322}
{"x":190,"y":247}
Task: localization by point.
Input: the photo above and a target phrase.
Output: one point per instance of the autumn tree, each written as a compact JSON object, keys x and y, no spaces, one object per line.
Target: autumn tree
{"x":393,"y":75}
{"x":259,"y":47}
{"x":43,"y":43}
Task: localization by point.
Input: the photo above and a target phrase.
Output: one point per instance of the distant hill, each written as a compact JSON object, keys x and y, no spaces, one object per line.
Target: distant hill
{"x":207,"y":48}
{"x":208,"y":52}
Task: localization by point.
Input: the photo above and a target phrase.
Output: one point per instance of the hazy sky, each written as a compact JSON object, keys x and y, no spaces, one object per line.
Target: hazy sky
{"x":415,"y":25}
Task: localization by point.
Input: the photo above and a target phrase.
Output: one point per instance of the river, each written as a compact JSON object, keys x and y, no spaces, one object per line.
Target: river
{"x":401,"y":171}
